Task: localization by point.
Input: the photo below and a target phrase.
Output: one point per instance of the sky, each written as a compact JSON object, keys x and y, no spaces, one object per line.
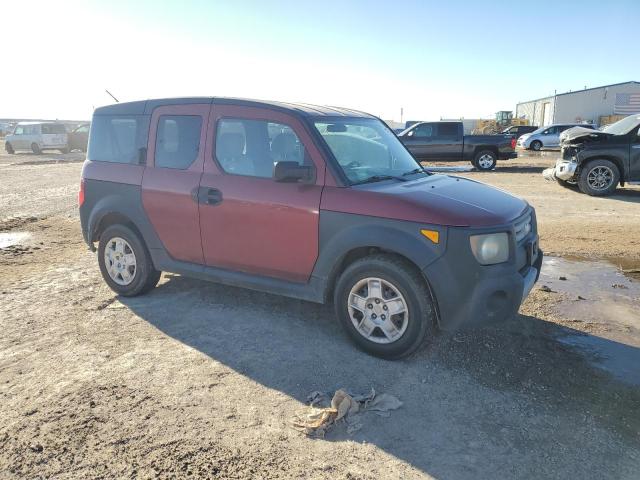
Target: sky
{"x":444,"y":59}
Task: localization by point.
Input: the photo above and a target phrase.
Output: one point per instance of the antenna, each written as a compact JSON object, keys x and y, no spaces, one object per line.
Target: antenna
{"x":111,"y":95}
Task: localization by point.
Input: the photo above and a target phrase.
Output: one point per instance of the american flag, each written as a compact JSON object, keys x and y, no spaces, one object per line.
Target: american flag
{"x":627,"y":103}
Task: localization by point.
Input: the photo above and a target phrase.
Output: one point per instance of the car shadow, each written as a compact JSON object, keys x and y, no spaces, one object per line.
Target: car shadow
{"x":477,"y":403}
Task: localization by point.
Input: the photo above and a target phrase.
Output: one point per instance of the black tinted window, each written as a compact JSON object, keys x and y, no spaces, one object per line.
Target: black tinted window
{"x":252,"y":147}
{"x":49,"y":128}
{"x":177,"y":140}
{"x":117,"y":138}
{"x":447,"y":130}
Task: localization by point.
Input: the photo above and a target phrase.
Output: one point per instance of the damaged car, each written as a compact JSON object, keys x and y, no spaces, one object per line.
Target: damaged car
{"x":596,"y":162}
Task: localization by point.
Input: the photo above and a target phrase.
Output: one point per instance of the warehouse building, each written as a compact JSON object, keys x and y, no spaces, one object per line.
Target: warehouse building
{"x":583,"y":106}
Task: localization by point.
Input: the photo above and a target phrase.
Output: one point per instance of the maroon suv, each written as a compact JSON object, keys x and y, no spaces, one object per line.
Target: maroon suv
{"x":317,"y":203}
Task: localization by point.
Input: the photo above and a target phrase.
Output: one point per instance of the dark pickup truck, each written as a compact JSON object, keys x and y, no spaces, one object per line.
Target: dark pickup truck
{"x":598,"y":161}
{"x":446,"y":141}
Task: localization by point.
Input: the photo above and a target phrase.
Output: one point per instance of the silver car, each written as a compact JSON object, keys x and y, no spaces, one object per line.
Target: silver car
{"x":37,"y":136}
{"x":546,"y":137}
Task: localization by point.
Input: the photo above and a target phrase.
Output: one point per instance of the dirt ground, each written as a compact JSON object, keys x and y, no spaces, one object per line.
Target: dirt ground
{"x":202,"y":380}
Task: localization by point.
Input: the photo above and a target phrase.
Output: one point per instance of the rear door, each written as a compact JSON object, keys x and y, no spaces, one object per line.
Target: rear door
{"x":53,"y":134}
{"x":175,"y":157}
{"x":447,"y":144}
{"x":250,"y":222}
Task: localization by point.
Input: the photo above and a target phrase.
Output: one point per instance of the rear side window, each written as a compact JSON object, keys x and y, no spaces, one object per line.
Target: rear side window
{"x":51,"y":128}
{"x":447,"y":130}
{"x":177,"y":141}
{"x":117,"y":138}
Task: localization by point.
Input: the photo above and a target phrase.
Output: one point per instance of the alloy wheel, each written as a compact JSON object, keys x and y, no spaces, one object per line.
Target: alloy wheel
{"x":120,"y":261}
{"x":378,"y":310}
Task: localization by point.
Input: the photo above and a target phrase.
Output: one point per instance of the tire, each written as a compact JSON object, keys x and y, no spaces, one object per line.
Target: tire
{"x":599,"y":178}
{"x":485,"y":160}
{"x":412,"y":326}
{"x":64,"y":150}
{"x":35,"y":148}
{"x":142,"y":278}
{"x":9,"y":148}
{"x":536,"y":145}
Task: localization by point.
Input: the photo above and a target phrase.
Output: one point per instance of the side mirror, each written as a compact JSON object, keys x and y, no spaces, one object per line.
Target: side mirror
{"x":293,"y":172}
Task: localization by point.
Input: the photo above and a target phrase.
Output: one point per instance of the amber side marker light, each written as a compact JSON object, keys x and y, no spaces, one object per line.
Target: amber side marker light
{"x":432,"y":235}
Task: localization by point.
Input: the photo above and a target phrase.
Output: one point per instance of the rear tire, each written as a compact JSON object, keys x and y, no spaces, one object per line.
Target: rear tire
{"x":485,"y":160}
{"x":9,"y":148}
{"x":35,"y":148}
{"x":401,"y":288}
{"x":536,"y":145}
{"x":599,"y":178}
{"x":128,"y":281}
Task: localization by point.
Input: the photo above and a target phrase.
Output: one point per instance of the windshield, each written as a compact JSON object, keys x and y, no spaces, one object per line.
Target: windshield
{"x":624,"y":126}
{"x":366,"y":149}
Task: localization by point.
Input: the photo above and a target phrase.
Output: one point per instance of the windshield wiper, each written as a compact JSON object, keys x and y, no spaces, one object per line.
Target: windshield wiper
{"x":379,"y":178}
{"x":416,"y":170}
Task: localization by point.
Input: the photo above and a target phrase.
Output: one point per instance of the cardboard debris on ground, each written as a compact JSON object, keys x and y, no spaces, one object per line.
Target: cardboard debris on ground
{"x":321,"y":415}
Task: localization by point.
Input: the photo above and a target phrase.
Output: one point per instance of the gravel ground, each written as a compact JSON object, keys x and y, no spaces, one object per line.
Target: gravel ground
{"x":203,"y":380}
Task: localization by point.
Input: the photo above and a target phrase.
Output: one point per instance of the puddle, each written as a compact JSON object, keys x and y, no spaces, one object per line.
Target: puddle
{"x":601,"y":296}
{"x":9,"y":239}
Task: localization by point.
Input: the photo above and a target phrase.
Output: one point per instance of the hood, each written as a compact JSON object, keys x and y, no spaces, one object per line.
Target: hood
{"x":439,"y":200}
{"x":581,"y":132}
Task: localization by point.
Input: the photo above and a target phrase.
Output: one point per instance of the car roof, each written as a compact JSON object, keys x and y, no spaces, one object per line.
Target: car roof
{"x":145,"y":107}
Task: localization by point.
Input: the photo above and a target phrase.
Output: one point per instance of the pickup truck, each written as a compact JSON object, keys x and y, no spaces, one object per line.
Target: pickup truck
{"x":446,"y":141}
{"x":598,"y":161}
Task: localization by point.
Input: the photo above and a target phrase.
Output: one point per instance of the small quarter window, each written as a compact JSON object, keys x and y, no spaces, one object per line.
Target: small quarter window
{"x":177,"y":141}
{"x":117,"y":139}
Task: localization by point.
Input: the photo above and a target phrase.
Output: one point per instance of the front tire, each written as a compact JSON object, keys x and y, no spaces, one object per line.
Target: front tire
{"x":599,"y":178}
{"x":385,"y":306}
{"x":9,"y":148}
{"x":125,"y":263}
{"x":35,"y":148}
{"x":536,"y":145}
{"x":485,"y":160}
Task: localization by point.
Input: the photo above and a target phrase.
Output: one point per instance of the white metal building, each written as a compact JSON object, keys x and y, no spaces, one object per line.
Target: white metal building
{"x":582,"y":106}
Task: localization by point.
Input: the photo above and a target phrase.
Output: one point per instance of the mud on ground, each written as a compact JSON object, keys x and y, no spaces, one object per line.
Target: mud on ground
{"x":200,"y":379}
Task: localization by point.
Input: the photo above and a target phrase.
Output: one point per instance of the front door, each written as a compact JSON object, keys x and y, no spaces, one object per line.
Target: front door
{"x":175,"y":158}
{"x":250,"y":222}
{"x":420,"y":140}
{"x":18,"y":141}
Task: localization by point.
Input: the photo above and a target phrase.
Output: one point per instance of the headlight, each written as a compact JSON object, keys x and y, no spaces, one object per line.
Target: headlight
{"x":490,"y":248}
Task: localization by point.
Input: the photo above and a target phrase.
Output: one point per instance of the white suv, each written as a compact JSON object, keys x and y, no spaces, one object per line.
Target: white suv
{"x":37,"y":136}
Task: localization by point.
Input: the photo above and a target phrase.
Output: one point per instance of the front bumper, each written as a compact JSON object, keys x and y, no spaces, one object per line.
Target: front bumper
{"x":468,"y":293}
{"x":564,"y":170}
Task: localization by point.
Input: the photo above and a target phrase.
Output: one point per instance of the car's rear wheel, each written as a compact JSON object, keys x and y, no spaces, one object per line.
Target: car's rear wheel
{"x":35,"y":148}
{"x":536,"y":145}
{"x":599,"y":178}
{"x":9,"y":148}
{"x":125,"y":263}
{"x":485,"y":160}
{"x":384,"y":304}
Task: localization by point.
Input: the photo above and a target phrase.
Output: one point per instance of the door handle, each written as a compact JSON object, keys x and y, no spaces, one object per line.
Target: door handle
{"x":209,"y":196}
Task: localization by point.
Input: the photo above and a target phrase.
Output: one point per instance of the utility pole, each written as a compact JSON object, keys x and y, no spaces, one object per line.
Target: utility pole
{"x":401,"y":115}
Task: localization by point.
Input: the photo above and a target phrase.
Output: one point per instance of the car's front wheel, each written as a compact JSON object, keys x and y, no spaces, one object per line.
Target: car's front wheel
{"x":9,"y":148}
{"x":536,"y":145}
{"x":599,"y":178}
{"x":384,"y":304}
{"x":125,"y":263}
{"x":35,"y":148}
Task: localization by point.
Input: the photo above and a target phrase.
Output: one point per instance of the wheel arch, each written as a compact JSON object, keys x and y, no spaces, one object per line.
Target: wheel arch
{"x":481,"y":148}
